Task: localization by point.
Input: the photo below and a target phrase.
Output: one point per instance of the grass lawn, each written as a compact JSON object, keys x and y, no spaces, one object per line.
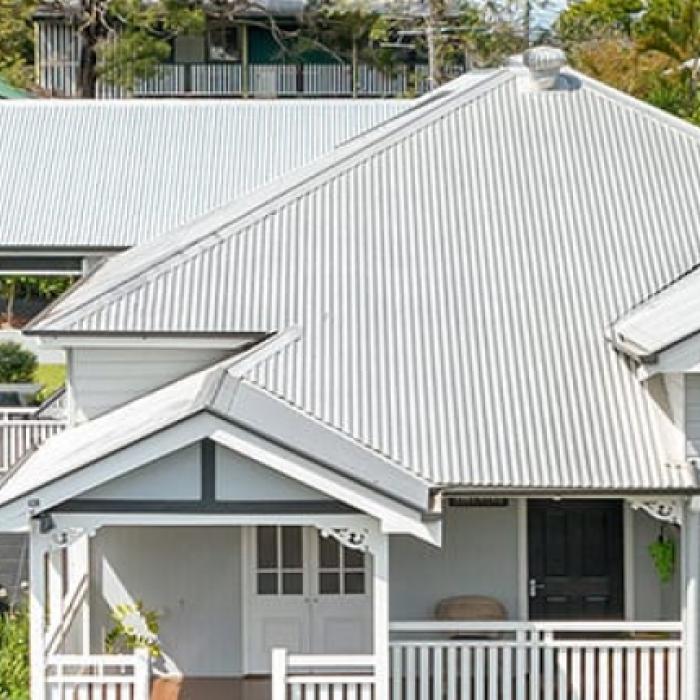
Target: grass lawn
{"x":51,"y":376}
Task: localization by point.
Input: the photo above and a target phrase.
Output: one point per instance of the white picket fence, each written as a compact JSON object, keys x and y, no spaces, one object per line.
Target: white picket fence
{"x":98,"y":677}
{"x":322,"y":676}
{"x":536,"y":661}
{"x":20,"y":433}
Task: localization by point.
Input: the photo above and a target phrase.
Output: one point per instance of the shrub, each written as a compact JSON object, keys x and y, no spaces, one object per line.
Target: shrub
{"x":14,"y":655}
{"x":17,"y":364}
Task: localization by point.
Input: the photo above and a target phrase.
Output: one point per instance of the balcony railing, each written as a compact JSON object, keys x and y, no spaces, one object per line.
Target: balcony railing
{"x":536,"y":661}
{"x":22,"y":432}
{"x":322,"y":676}
{"x":277,"y":80}
{"x":97,"y":677}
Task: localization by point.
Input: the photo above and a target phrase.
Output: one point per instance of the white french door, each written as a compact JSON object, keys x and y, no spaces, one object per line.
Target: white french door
{"x":306,"y":593}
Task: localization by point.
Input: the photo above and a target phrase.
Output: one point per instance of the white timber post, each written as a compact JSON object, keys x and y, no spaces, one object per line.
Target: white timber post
{"x":380,"y":602}
{"x":142,"y":675}
{"x":279,"y":674}
{"x":691,"y":600}
{"x":55,"y":586}
{"x":79,"y":579}
{"x":37,"y":611}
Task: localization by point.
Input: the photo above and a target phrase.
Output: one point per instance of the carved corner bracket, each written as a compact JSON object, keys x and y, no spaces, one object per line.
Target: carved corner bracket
{"x":667,"y":511}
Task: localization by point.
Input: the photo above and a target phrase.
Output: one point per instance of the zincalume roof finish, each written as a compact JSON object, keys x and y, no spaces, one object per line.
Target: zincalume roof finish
{"x":112,"y":174}
{"x":452,"y":275}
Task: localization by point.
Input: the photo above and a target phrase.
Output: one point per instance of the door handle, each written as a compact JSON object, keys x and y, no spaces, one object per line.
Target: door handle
{"x":533,"y":587}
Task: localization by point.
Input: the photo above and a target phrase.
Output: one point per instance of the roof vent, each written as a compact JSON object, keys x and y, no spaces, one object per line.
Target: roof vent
{"x":544,"y":63}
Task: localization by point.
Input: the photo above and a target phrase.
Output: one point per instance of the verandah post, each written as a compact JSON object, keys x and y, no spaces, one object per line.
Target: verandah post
{"x":380,"y":600}
{"x":37,"y":612}
{"x":691,"y":600}
{"x":279,"y":674}
{"x":142,"y":675}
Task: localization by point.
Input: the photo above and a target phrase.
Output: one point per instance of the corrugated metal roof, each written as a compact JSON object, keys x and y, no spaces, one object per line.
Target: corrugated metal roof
{"x":113,"y":174}
{"x":454,"y":274}
{"x":665,"y":319}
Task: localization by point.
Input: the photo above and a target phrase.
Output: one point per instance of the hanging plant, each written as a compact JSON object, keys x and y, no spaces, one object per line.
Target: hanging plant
{"x":663,"y":554}
{"x":134,"y":628}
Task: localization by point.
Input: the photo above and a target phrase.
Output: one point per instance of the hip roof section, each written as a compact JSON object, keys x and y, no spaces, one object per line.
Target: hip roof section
{"x":452,"y":273}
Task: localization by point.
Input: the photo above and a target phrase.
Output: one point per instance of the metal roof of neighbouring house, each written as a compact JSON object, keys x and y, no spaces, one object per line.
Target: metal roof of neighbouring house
{"x":150,"y":166}
{"x":453,"y":274}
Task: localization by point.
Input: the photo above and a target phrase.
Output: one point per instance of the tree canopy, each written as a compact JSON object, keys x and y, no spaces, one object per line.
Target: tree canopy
{"x":649,"y":48}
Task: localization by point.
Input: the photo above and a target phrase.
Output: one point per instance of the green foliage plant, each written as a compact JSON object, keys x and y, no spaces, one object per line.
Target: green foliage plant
{"x":17,"y":364}
{"x":134,"y":628}
{"x":14,"y":655}
{"x":663,"y":554}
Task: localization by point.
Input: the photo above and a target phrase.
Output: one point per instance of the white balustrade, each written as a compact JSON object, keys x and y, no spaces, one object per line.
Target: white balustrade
{"x":536,"y":661}
{"x":20,"y":433}
{"x":98,"y":677}
{"x":322,"y":676}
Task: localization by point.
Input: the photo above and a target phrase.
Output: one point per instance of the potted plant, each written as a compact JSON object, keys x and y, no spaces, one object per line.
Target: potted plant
{"x":663,"y":554}
{"x":134,"y":628}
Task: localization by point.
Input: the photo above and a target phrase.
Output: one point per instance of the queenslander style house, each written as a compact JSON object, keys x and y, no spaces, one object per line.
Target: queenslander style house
{"x":233,"y":58}
{"x":406,"y":423}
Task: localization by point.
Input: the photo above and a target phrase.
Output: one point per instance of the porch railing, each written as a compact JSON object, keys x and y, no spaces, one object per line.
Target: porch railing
{"x":322,"y":676}
{"x":535,"y":661}
{"x":21,"y":432}
{"x":98,"y":677}
{"x":261,"y":80}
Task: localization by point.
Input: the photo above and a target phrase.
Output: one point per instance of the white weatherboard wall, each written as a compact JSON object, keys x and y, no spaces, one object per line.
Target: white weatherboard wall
{"x":653,"y":600}
{"x":191,"y":576}
{"x":100,"y":379}
{"x":479,"y":556}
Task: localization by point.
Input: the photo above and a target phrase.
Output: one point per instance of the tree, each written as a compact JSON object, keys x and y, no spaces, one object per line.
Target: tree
{"x":17,"y":364}
{"x":649,"y":48}
{"x":16,"y":41}
{"x":671,"y":28}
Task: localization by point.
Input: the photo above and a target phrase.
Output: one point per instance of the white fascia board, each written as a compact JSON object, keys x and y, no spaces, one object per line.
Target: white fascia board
{"x":681,"y":358}
{"x":223,"y":341}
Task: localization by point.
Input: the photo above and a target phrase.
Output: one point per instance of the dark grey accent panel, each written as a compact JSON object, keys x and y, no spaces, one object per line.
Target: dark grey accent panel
{"x":201,"y":507}
{"x":208,"y":462}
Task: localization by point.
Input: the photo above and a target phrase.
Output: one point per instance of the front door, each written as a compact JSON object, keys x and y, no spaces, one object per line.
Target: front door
{"x":307,"y":593}
{"x":575,"y":551}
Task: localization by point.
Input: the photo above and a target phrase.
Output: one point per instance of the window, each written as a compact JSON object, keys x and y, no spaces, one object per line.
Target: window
{"x":280,"y":560}
{"x":224,"y":44}
{"x":340,"y":570}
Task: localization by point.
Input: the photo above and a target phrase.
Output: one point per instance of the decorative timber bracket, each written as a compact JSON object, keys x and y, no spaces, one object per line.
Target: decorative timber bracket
{"x":352,"y":538}
{"x":667,"y":511}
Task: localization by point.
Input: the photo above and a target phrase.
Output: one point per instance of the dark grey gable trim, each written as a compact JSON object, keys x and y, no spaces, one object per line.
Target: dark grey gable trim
{"x":208,"y":466}
{"x":96,"y":505}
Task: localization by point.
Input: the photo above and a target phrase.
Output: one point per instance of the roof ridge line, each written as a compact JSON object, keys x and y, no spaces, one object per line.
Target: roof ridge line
{"x":629,"y":102}
{"x":237,"y":213}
